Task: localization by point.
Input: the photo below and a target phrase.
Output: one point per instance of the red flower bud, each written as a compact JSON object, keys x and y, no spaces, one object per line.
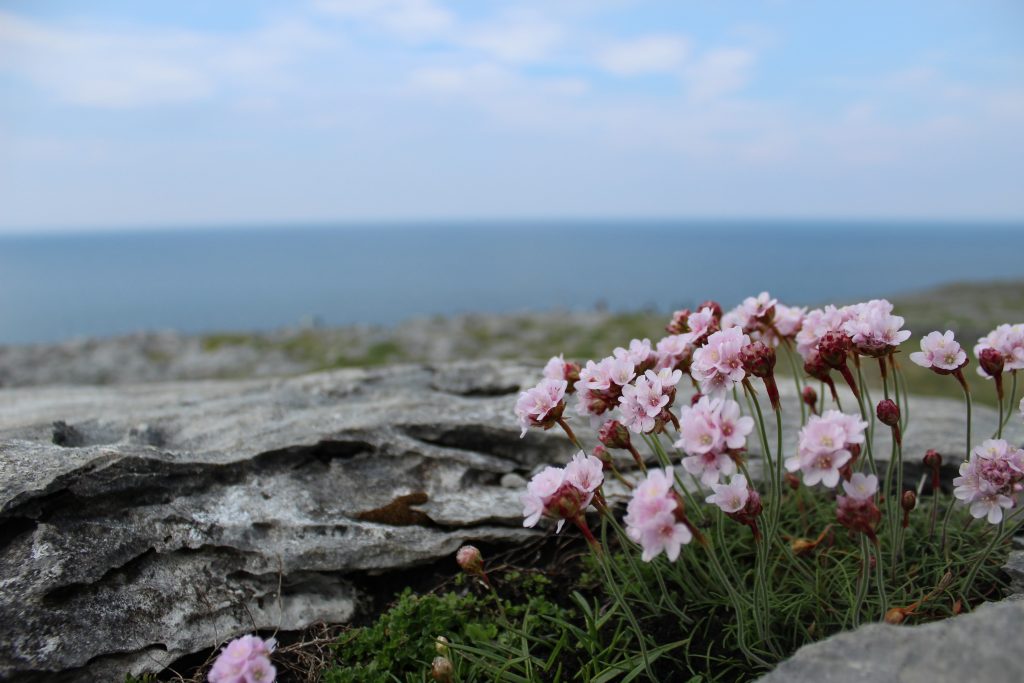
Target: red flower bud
{"x":932,"y":459}
{"x":817,"y":368}
{"x":793,"y":481}
{"x":810,"y":396}
{"x":614,"y":435}
{"x":991,"y":361}
{"x":833,"y":348}
{"x":888,"y":412}
{"x":909,"y":501}
{"x":758,"y":359}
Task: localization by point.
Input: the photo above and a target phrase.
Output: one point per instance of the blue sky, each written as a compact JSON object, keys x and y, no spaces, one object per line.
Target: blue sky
{"x":127,"y":114}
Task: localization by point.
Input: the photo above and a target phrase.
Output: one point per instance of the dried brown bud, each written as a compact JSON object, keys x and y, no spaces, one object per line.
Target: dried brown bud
{"x":441,"y":669}
{"x":895,"y":616}
{"x":909,"y":501}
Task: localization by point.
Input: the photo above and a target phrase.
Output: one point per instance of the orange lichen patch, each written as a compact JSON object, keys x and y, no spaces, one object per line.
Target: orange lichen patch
{"x":399,"y":511}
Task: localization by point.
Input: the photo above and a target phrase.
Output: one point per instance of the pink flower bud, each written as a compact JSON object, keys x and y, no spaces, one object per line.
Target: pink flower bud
{"x":833,"y":348}
{"x":614,"y":434}
{"x":470,"y":559}
{"x":679,"y":323}
{"x":758,"y":359}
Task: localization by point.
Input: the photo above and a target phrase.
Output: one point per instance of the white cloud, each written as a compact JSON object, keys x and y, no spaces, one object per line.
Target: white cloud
{"x":415,"y":19}
{"x":516,"y":37}
{"x":649,"y":54}
{"x":719,"y":72}
{"x":98,"y":68}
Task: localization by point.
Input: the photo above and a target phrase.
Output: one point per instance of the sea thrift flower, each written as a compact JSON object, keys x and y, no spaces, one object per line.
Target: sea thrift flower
{"x":542,"y":405}
{"x":708,"y":432}
{"x":245,"y":660}
{"x":471,"y":561}
{"x":675,"y":352}
{"x":679,"y":324}
{"x":861,"y":486}
{"x":940,"y":353}
{"x":888,"y":413}
{"x":873,"y":329}
{"x":643,"y":403}
{"x":1008,"y":340}
{"x":563,"y":493}
{"x":717,"y":365}
{"x":639,"y":354}
{"x":788,"y":320}
{"x":991,"y":479}
{"x":815,"y":324}
{"x":703,"y":323}
{"x":825,"y":446}
{"x":730,"y":497}
{"x":654,"y":518}
{"x":559,"y":368}
{"x":600,"y":386}
{"x":858,"y":514}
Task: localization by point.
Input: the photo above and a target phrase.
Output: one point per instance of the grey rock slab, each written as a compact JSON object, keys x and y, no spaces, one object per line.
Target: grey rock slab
{"x":984,"y":645}
{"x":165,"y":522}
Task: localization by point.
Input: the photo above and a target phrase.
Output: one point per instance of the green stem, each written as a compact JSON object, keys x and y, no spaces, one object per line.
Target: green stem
{"x":880,"y":579}
{"x":969,"y":580}
{"x":863,"y":580}
{"x":1009,"y":407}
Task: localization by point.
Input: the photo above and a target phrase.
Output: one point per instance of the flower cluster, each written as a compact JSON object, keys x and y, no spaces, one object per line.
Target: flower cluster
{"x":562,"y":492}
{"x":600,"y":385}
{"x":991,"y":479}
{"x":558,"y":369}
{"x":1008,"y":342}
{"x":857,"y":510}
{"x":871,"y":328}
{"x":712,"y":432}
{"x":655,"y":517}
{"x":245,"y":660}
{"x":940,"y":352}
{"x":644,"y":403}
{"x":542,"y":405}
{"x":739,"y":501}
{"x":827,"y":443}
{"x":717,"y":365}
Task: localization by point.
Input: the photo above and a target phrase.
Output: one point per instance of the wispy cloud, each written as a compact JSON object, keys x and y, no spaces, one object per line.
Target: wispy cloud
{"x":645,"y":55}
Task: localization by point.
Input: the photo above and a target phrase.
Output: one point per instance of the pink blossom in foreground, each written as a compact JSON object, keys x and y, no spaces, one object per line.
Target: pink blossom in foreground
{"x":940,"y":352}
{"x":651,"y":517}
{"x":991,"y":479}
{"x":702,"y":323}
{"x":559,"y":368}
{"x":861,"y":486}
{"x":731,"y":497}
{"x":708,"y":431}
{"x":1008,"y":340}
{"x":600,"y":385}
{"x":873,"y":329}
{"x":825,"y":447}
{"x":788,"y":319}
{"x":562,"y":493}
{"x":245,"y":660}
{"x":815,"y":324}
{"x":639,"y":354}
{"x":542,"y":405}
{"x":717,"y":365}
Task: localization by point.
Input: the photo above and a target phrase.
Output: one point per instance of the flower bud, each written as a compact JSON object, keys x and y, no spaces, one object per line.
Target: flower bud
{"x":716,"y":308}
{"x":793,"y":481}
{"x":758,"y":359}
{"x":991,"y":361}
{"x":470,"y":559}
{"x":602,"y":454}
{"x":817,"y":368}
{"x":441,"y":670}
{"x":810,"y":396}
{"x":895,"y":615}
{"x":932,"y":459}
{"x":614,"y":435}
{"x":833,"y":348}
{"x":680,"y":323}
{"x":567,"y":502}
{"x":888,"y":412}
{"x":441,"y":645}
{"x":909,"y":501}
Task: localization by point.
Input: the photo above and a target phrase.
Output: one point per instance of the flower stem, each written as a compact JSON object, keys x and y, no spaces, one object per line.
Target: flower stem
{"x":969,"y":580}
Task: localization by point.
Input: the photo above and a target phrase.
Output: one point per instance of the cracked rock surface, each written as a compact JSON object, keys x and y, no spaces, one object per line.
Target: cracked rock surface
{"x":142,"y":523}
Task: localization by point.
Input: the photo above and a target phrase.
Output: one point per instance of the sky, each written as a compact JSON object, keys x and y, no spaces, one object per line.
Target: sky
{"x":197,"y":113}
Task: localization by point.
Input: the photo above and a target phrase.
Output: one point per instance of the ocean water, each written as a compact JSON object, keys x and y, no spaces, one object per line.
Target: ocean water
{"x":55,"y":287}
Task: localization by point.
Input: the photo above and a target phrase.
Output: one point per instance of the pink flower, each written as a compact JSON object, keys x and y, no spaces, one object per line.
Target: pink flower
{"x":1008,"y":340}
{"x":861,"y":486}
{"x":643,"y":402}
{"x":874,"y":330}
{"x":708,"y":430}
{"x":991,"y":479}
{"x":788,"y":319}
{"x":731,"y":497}
{"x":245,"y":660}
{"x":585,"y":472}
{"x":702,"y":323}
{"x":555,"y":368}
{"x":562,"y":493}
{"x":542,"y":405}
{"x":675,"y":351}
{"x":638,"y":354}
{"x":600,"y":385}
{"x":940,"y":352}
{"x":717,"y":364}
{"x":824,"y":447}
{"x":651,"y":517}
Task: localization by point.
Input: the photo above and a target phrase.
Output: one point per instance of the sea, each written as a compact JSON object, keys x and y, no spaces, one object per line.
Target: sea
{"x":56,"y":287}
